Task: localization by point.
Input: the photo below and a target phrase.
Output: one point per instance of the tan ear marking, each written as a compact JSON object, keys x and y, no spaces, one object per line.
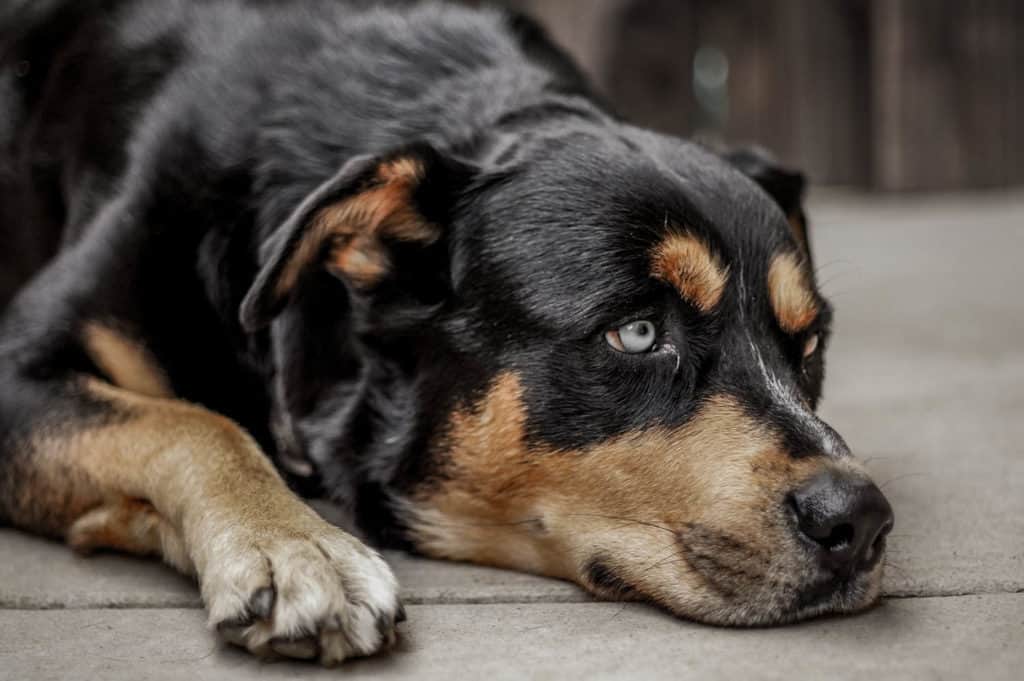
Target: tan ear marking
{"x":789,"y":291}
{"x":362,"y":260}
{"x":351,"y":229}
{"x":686,"y":262}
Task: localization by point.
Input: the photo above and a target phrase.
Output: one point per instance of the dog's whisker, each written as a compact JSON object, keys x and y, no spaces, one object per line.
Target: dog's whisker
{"x":878,"y":457}
{"x":672,"y":559}
{"x":833,"y":262}
{"x":902,"y":572}
{"x":669,"y":555}
{"x":905,"y":476}
{"x":629,"y":521}
{"x":510,"y":523}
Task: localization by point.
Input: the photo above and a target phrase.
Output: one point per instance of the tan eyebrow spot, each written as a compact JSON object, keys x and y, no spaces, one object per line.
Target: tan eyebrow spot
{"x":686,"y":262}
{"x":790,"y":294}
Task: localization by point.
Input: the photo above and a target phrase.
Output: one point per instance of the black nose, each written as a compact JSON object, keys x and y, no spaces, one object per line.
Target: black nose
{"x":846,"y":517}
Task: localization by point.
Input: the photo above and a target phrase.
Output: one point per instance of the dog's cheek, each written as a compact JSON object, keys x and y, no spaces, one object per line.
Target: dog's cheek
{"x":481,"y":502}
{"x":656,"y":511}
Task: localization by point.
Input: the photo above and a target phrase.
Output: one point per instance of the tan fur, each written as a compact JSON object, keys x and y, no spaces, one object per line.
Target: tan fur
{"x":160,"y":476}
{"x":686,"y":262}
{"x":126,"y":362}
{"x":353,"y":229}
{"x":132,"y":526}
{"x":789,"y":291}
{"x":631,"y":498}
{"x":51,"y":491}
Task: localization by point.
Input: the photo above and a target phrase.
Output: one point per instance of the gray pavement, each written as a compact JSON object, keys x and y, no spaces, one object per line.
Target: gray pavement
{"x":926,"y":382}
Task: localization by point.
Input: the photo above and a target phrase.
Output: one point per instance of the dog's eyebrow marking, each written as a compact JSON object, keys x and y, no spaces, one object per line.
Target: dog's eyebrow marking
{"x":686,"y":262}
{"x":792,"y":300}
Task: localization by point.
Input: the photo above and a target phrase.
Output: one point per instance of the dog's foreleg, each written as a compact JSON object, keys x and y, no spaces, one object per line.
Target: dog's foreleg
{"x":107,"y":468}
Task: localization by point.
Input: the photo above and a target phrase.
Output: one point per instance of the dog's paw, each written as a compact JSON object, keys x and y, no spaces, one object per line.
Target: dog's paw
{"x":309,"y":593}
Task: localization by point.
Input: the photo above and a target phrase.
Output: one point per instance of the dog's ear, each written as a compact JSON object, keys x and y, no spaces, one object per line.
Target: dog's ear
{"x":376,"y":224}
{"x":783,"y":184}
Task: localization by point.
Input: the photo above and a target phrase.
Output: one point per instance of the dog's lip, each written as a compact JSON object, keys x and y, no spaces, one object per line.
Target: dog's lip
{"x":836,"y":594}
{"x":821,"y":593}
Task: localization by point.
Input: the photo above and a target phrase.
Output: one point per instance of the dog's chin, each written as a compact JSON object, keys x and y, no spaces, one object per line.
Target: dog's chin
{"x":821,"y":597}
{"x":826,"y":596}
{"x":837,"y":596}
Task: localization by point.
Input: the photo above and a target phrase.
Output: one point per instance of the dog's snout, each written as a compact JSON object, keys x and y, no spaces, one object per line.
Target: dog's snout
{"x":846,"y":518}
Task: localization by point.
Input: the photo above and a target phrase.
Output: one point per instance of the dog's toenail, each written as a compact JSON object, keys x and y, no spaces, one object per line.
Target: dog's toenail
{"x":262,"y":602}
{"x":303,"y":648}
{"x":232,"y":633}
{"x":385,"y":623}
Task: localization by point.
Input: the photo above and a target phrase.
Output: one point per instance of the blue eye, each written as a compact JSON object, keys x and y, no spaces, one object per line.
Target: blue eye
{"x":632,"y":338}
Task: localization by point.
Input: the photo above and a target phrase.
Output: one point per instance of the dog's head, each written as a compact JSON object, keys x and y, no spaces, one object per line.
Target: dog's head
{"x":593,"y":354}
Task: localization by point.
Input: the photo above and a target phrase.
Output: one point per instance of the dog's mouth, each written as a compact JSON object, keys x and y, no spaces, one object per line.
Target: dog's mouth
{"x":731,"y":582}
{"x":834,"y":594}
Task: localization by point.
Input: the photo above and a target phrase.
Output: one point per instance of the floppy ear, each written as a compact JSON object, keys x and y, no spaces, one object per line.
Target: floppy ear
{"x":784,"y":185}
{"x":356,"y":225}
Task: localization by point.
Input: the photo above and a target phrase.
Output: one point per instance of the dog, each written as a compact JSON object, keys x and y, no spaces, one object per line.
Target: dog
{"x":406,"y":258}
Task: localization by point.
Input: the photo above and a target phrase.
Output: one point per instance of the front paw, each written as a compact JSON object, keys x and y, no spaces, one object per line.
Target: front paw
{"x":308,"y":593}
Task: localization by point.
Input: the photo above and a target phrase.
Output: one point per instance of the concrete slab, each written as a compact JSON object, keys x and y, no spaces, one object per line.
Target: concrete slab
{"x":926,"y":377}
{"x":36,"y":573}
{"x":927,"y":638}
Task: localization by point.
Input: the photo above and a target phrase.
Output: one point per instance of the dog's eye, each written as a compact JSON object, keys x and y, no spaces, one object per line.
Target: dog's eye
{"x":632,"y":338}
{"x":810,"y":346}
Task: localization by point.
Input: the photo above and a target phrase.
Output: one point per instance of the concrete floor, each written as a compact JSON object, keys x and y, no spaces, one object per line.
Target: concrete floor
{"x":926,"y":383}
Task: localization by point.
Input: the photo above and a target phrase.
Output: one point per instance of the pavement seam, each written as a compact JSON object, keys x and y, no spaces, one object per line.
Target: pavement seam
{"x":435,"y":602}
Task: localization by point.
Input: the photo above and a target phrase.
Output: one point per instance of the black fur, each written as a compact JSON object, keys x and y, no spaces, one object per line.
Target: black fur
{"x":163,"y":144}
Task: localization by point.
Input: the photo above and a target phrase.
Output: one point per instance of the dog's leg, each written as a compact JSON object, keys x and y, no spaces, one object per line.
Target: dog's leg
{"x":105,"y":467}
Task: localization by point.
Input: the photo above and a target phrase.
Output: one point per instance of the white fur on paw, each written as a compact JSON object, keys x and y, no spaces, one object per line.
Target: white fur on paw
{"x":309,"y":594}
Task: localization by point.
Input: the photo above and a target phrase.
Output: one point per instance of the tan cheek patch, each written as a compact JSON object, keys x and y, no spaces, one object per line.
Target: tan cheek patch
{"x":687,"y":263}
{"x":351,"y":229}
{"x":502,"y":502}
{"x":126,"y":362}
{"x":790,"y":294}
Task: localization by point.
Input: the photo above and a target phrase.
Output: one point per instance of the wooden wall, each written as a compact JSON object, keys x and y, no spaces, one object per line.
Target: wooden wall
{"x":887,"y":94}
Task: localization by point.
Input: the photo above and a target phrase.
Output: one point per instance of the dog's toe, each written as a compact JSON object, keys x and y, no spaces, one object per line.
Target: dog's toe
{"x":316,"y":594}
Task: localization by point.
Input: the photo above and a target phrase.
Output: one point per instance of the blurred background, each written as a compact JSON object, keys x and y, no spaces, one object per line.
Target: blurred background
{"x":892,"y":95}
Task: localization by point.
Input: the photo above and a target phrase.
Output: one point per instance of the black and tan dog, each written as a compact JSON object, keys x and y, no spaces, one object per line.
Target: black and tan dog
{"x":405,"y":256}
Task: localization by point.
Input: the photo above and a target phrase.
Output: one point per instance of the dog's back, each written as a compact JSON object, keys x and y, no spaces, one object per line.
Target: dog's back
{"x":22,"y":33}
{"x":76,"y":77}
{"x":66,"y":105}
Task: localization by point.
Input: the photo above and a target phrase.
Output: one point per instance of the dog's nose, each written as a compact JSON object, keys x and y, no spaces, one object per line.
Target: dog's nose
{"x":847,"y":517}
